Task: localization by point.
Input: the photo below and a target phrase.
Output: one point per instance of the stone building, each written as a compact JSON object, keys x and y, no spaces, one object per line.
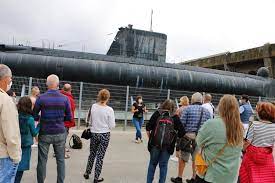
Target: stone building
{"x":246,"y":61}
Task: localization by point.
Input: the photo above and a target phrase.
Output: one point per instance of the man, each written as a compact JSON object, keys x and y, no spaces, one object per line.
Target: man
{"x":246,"y":111}
{"x":10,"y":140}
{"x":67,"y":91}
{"x":208,"y":105}
{"x":34,"y":94}
{"x":55,"y":109}
{"x":192,"y":119}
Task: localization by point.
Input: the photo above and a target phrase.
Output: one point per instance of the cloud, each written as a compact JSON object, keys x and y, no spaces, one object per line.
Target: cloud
{"x":195,"y":28}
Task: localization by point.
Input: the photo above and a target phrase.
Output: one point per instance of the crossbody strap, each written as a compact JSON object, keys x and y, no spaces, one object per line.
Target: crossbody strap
{"x":199,"y":124}
{"x":221,"y":151}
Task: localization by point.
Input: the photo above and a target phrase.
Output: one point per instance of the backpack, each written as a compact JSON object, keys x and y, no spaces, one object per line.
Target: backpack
{"x":164,"y":134}
{"x":77,"y":143}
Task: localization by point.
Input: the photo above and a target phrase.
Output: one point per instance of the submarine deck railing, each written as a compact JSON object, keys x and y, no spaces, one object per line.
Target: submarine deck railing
{"x":122,"y":97}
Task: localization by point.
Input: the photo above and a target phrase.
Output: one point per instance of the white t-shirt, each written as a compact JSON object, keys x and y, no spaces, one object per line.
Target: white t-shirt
{"x":102,"y":119}
{"x":210,"y":108}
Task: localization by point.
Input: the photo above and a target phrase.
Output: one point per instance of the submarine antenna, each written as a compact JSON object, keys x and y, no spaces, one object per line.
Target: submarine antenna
{"x":151,"y":24}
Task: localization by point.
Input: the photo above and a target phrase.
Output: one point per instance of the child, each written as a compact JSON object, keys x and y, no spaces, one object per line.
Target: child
{"x":27,"y":131}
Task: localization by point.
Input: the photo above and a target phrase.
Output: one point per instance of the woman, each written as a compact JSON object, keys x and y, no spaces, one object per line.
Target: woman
{"x":102,"y":121}
{"x":184,"y":102}
{"x":161,"y":155}
{"x":221,"y":140}
{"x":258,"y":163}
{"x":27,"y":131}
{"x":138,"y":109}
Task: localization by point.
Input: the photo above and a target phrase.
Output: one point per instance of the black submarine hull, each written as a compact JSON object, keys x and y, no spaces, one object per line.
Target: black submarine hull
{"x":140,"y":74}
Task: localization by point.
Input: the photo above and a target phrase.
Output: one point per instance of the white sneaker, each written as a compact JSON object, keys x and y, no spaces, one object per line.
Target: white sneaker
{"x":34,"y":146}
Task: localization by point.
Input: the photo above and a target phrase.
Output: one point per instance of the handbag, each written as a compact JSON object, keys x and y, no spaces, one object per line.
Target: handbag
{"x":200,"y":164}
{"x":86,"y":134}
{"x":187,"y":144}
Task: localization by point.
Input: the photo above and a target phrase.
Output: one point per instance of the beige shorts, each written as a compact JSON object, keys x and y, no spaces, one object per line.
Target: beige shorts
{"x":185,"y":156}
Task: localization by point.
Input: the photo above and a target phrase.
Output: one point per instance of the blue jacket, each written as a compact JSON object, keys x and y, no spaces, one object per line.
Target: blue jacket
{"x":247,"y":112}
{"x":27,"y":129}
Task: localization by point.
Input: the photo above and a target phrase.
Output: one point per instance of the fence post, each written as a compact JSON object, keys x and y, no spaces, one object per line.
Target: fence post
{"x":79,"y":104}
{"x":260,"y":99}
{"x":30,"y":86}
{"x":23,"y":90}
{"x":168,"y":94}
{"x":126,"y":109}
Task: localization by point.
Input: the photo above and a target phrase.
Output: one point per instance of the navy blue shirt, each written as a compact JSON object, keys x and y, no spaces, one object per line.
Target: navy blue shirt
{"x":55,"y":109}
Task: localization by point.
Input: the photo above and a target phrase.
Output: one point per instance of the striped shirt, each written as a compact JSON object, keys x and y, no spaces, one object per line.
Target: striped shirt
{"x":55,"y":109}
{"x":190,"y":117}
{"x":261,"y":134}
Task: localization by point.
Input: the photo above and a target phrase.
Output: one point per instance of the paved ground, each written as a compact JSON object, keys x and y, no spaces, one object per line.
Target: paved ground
{"x":125,"y":162}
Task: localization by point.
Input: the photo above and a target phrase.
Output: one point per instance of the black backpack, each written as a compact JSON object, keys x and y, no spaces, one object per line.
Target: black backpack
{"x":164,"y":134}
{"x":77,"y":143}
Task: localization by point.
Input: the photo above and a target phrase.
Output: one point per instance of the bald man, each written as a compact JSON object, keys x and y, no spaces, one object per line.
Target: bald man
{"x":55,"y":109}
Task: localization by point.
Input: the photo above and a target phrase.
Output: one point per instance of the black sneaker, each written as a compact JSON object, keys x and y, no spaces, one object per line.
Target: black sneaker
{"x":86,"y":176}
{"x":176,"y":180}
{"x":99,"y":180}
{"x":190,"y":180}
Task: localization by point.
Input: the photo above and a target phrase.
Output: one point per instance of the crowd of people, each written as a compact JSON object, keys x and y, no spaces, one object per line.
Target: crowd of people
{"x":225,"y":143}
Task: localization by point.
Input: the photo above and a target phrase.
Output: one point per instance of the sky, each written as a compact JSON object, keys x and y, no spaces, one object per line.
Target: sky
{"x":194,"y":28}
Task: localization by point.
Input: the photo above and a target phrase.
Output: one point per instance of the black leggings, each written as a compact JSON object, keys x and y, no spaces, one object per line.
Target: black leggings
{"x":98,"y":146}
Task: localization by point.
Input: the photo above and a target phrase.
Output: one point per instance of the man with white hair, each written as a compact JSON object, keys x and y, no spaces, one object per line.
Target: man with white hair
{"x":55,"y":109}
{"x":10,"y":140}
{"x":192,"y":118}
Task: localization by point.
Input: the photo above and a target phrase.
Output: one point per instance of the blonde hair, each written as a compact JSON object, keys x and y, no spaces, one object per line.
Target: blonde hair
{"x":103,"y":95}
{"x":229,"y":112}
{"x":184,"y":101}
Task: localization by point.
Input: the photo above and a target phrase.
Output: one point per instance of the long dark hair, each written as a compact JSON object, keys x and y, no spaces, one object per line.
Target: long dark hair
{"x":25,"y":105}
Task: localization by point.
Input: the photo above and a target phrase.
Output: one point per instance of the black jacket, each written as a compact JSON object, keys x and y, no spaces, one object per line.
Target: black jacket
{"x":151,"y":125}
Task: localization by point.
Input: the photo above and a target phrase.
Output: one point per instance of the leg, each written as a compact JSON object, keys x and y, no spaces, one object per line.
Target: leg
{"x":93,"y":149}
{"x":163,"y":164}
{"x":18,"y":177}
{"x":136,"y":124}
{"x":141,"y":121}
{"x":181,"y":167}
{"x":154,"y":160}
{"x":8,"y":170}
{"x":59,"y":150}
{"x":43,"y":149}
{"x":193,"y":162}
{"x":104,"y":142}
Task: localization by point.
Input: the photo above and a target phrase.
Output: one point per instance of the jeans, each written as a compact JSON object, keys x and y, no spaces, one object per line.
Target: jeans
{"x":7,"y":170}
{"x":44,"y":142}
{"x":158,"y":157}
{"x":138,"y":122}
{"x":18,"y":176}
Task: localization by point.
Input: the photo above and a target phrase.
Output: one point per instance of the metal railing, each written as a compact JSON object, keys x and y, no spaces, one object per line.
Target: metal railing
{"x":122,"y":97}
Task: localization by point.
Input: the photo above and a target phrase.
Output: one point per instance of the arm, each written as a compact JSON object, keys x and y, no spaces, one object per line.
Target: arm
{"x":145,"y":109}
{"x":34,"y":130}
{"x":178,"y":126}
{"x":204,"y":134}
{"x":112,"y":120}
{"x":183,"y":117}
{"x":133,"y":110}
{"x":37,"y":109}
{"x":68,"y":115}
{"x":11,"y":132}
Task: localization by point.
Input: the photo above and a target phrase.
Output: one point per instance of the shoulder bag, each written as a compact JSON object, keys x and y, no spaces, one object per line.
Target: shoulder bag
{"x":200,"y":164}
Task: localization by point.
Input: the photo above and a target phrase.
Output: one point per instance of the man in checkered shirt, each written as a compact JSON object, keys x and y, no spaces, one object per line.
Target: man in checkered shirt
{"x":190,"y":119}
